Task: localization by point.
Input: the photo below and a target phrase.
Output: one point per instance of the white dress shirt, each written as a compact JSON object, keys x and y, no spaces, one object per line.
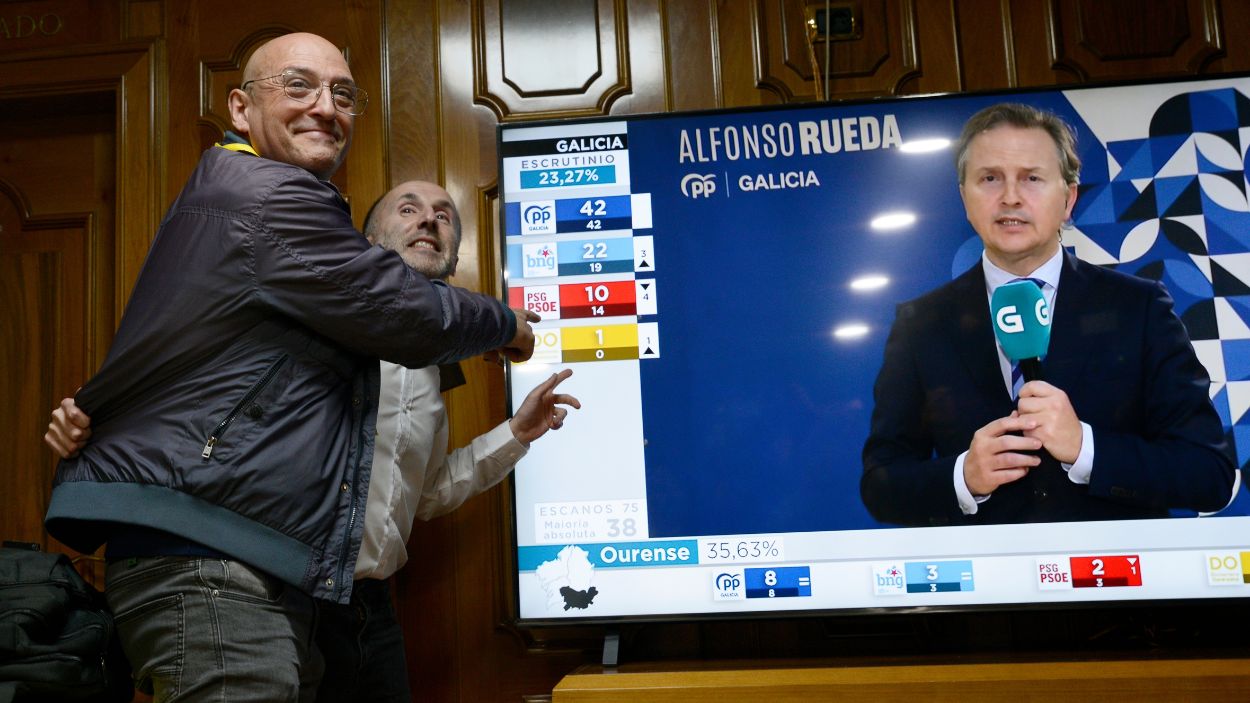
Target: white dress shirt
{"x":413,"y":476}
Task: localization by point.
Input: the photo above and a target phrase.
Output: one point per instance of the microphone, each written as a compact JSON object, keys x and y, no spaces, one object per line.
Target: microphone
{"x":1022,"y":325}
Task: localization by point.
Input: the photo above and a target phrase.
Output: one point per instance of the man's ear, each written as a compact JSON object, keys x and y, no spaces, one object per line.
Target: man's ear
{"x":238,"y":102}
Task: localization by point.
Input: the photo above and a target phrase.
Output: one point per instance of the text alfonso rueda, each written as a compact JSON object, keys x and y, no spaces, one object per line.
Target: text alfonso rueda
{"x":808,"y":137}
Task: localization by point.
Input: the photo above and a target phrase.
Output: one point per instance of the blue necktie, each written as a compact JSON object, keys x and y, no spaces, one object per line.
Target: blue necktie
{"x":1017,"y":376}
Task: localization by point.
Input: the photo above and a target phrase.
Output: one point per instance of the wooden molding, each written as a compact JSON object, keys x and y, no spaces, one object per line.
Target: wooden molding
{"x":880,"y":62}
{"x":1102,"y":39}
{"x":515,"y":59}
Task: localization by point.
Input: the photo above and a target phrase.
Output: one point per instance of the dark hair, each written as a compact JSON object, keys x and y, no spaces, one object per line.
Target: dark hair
{"x":1024,"y":117}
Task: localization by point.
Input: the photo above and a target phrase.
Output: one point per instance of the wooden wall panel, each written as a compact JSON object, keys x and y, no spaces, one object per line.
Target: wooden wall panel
{"x":691,"y":55}
{"x":43,"y":272}
{"x":538,"y":58}
{"x":985,"y":46}
{"x":1100,"y":39}
{"x":25,"y":26}
{"x":879,"y":62}
{"x":937,"y":47}
{"x":1076,"y":41}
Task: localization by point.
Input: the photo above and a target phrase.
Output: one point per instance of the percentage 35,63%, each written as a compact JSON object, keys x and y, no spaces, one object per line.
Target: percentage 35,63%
{"x":741,"y":550}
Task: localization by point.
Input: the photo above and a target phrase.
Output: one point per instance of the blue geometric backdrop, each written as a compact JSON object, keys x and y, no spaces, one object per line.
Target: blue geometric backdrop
{"x":1172,"y":206}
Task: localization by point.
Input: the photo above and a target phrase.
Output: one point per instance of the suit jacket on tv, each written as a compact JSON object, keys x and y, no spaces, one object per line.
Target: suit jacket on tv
{"x":1116,"y":348}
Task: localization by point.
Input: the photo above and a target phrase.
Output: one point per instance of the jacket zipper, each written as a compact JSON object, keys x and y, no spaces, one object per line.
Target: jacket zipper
{"x":351,"y":516}
{"x":252,"y":392}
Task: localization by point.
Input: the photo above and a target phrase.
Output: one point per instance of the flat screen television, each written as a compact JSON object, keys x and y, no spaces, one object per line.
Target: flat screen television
{"x":722,"y":284}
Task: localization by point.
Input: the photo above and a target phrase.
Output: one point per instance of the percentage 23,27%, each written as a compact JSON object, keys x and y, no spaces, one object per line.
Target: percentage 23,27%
{"x":594,"y":175}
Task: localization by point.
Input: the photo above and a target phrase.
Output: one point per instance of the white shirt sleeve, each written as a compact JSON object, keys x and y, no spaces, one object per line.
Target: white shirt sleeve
{"x":1079,"y":470}
{"x":468,"y":471}
{"x":967,"y":502}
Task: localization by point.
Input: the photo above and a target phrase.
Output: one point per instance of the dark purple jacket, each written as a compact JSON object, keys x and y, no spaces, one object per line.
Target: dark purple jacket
{"x":236,"y":407}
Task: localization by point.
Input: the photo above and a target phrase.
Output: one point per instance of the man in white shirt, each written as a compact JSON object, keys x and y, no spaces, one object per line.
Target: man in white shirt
{"x":413,"y":475}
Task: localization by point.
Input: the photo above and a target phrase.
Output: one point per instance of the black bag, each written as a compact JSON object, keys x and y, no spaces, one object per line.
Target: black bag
{"x":57,"y":641}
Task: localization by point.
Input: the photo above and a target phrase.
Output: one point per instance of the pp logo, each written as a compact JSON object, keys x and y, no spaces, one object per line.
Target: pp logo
{"x":538,"y":217}
{"x":727,"y":586}
{"x":696,"y":185}
{"x":538,"y":260}
{"x":888,"y":580}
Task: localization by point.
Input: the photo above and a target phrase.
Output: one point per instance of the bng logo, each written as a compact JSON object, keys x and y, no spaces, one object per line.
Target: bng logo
{"x":696,"y":185}
{"x":539,"y":260}
{"x":888,"y":580}
{"x":538,"y":217}
{"x":727,"y":586}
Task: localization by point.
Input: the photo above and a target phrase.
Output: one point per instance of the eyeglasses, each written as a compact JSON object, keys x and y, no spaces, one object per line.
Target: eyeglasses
{"x":346,"y":97}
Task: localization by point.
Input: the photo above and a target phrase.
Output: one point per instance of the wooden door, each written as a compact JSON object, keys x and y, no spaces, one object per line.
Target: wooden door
{"x":78,"y":188}
{"x":57,"y":190}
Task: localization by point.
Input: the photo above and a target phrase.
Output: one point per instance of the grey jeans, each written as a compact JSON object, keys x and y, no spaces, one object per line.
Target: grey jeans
{"x":200,"y":629}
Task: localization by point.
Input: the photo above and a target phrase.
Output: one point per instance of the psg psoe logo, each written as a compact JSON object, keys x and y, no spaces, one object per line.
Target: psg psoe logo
{"x":1054,"y":574}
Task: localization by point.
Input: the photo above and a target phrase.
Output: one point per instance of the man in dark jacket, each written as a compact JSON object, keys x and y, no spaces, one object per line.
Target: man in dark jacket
{"x":234,"y":415}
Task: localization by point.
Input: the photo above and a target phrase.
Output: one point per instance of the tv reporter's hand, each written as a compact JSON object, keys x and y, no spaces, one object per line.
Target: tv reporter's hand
{"x":994,"y":456}
{"x":541,"y":411}
{"x":521,"y":348}
{"x":69,"y":430}
{"x":1055,"y":422}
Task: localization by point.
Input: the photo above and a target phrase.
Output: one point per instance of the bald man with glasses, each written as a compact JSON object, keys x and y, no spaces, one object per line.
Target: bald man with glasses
{"x":234,"y":417}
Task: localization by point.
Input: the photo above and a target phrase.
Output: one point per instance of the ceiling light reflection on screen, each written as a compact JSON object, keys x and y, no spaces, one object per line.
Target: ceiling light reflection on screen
{"x":924,"y":146}
{"x":892,"y":220}
{"x":847,"y":332}
{"x":864,"y":284}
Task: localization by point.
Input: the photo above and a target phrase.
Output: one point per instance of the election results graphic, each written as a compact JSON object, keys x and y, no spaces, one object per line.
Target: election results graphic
{"x":722,"y":285}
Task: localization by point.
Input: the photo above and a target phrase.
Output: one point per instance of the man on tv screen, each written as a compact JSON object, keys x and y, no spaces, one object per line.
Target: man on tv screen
{"x":1036,"y":387}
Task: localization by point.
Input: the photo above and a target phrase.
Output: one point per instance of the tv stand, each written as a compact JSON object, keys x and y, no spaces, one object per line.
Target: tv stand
{"x":965,"y":679}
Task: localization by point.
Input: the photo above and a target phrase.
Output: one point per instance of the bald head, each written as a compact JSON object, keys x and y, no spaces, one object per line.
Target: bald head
{"x":312,"y":135}
{"x":419,"y":220}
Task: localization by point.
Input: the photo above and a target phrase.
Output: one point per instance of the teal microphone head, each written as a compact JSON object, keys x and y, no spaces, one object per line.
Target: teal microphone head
{"x":1021,"y":320}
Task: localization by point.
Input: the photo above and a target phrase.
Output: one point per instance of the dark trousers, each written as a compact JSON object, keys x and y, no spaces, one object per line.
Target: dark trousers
{"x":363,"y":648}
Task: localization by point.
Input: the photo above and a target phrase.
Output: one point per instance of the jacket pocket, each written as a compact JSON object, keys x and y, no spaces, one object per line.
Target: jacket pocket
{"x":220,"y":430}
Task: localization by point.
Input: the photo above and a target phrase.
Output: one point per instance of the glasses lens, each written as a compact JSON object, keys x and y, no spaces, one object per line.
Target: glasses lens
{"x":297,"y":86}
{"x":346,"y":98}
{"x":359,"y":100}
